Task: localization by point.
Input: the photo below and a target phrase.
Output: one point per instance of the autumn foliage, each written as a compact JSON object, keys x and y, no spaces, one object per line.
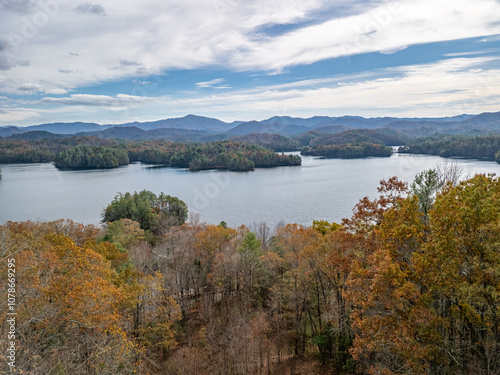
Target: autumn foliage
{"x":427,"y":300}
{"x":400,"y":288}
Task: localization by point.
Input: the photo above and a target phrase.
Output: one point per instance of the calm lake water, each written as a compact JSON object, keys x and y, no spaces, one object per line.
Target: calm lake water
{"x":324,"y":189}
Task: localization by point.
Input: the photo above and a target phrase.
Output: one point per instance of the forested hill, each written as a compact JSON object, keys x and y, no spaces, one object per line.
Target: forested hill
{"x":195,"y":128}
{"x":381,"y":136}
{"x":212,"y":143}
{"x":44,"y":150}
{"x":484,"y":147}
{"x":275,"y":142}
{"x":349,"y":150}
{"x":91,"y":152}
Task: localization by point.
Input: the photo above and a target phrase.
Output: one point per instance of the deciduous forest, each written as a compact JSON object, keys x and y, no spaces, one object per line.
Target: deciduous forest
{"x":410,"y":284}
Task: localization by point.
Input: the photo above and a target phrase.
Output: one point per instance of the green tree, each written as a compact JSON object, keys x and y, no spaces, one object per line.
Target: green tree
{"x":324,"y":226}
{"x":89,"y":157}
{"x":460,"y":269}
{"x":250,"y":261}
{"x":124,"y":232}
{"x":149,"y":210}
{"x":172,"y":207}
{"x":425,"y":186}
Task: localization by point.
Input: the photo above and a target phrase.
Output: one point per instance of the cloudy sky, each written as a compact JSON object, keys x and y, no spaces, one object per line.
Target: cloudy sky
{"x":116,"y":61}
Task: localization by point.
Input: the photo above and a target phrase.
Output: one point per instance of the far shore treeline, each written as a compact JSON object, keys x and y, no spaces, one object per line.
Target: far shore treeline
{"x":92,"y":153}
{"x":240,"y":153}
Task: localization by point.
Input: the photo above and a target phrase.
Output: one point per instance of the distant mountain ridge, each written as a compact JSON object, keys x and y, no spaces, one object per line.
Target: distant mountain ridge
{"x":199,"y":128}
{"x":270,"y":128}
{"x":66,"y":128}
{"x":134,"y":133}
{"x":190,"y":122}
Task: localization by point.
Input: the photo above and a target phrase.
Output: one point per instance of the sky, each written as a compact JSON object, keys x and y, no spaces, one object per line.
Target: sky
{"x":115,"y":61}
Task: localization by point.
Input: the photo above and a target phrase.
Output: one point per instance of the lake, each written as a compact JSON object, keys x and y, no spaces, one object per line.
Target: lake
{"x":324,"y":189}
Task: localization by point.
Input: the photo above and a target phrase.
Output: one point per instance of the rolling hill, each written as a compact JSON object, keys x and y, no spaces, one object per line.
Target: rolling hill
{"x":192,"y":128}
{"x":271,"y":128}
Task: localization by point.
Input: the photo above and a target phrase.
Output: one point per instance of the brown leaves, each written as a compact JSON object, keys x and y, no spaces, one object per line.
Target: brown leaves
{"x":429,"y":295}
{"x":68,"y":296}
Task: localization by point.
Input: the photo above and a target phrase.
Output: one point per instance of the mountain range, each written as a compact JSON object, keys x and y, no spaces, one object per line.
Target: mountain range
{"x":201,"y":129}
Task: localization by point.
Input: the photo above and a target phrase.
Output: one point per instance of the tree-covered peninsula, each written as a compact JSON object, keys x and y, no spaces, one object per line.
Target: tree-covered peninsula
{"x":484,"y":147}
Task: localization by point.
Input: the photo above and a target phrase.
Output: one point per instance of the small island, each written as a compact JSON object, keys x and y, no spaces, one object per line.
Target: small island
{"x":225,"y":155}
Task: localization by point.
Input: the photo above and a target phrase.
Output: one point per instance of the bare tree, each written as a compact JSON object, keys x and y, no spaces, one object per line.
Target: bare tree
{"x":451,"y":171}
{"x":263,"y":233}
{"x":194,"y":219}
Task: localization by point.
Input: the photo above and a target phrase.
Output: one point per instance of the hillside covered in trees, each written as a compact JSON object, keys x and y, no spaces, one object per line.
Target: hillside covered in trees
{"x":484,"y":147}
{"x":212,"y":150}
{"x":90,"y":152}
{"x":349,"y":150}
{"x":46,"y":149}
{"x":383,"y":137}
{"x":192,"y":128}
{"x":408,"y":285}
{"x":275,"y":142}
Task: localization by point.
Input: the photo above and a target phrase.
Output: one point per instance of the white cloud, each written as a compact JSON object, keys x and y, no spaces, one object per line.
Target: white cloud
{"x":18,"y":115}
{"x":56,"y":91}
{"x":472,"y":53}
{"x":446,"y":88}
{"x":137,"y":39}
{"x":390,"y":27}
{"x":120,"y":100}
{"x":392,"y":51}
{"x":140,"y":38}
{"x":211,"y":83}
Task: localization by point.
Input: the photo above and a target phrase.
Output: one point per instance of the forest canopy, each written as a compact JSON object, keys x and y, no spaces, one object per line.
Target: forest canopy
{"x":146,"y":208}
{"x":91,"y":157}
{"x":484,"y":147}
{"x":408,"y":285}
